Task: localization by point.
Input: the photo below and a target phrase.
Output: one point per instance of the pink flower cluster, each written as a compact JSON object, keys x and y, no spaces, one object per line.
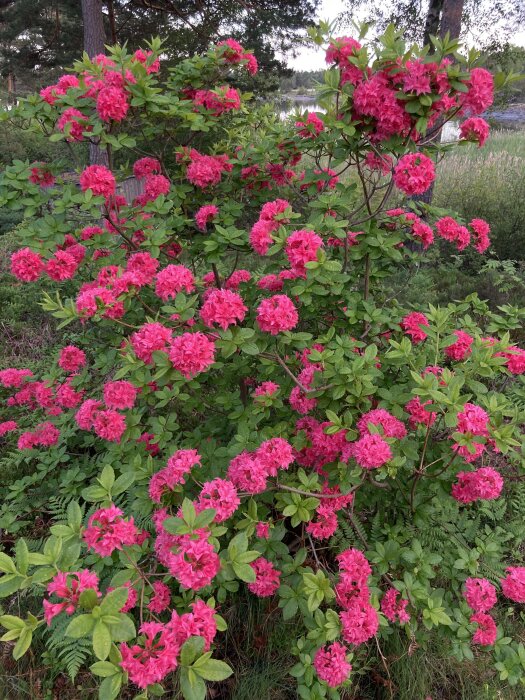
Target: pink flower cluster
{"x":224,"y":308}
{"x":179,"y":464}
{"x":157,"y":655}
{"x":221,"y":495}
{"x":418,"y":413}
{"x":474,"y":129}
{"x":234,"y":53}
{"x":462,"y":348}
{"x":107,"y":531}
{"x":277,"y":314}
{"x":301,"y":248}
{"x":219,"y":101}
{"x":513,"y":585}
{"x":270,"y":218}
{"x":480,"y":594}
{"x":393,"y":606}
{"x":249,"y":471}
{"x":310,"y":128}
{"x":482,"y":484}
{"x":331,"y":665}
{"x":412,"y":325}
{"x":206,"y":171}
{"x":68,"y":586}
{"x":414,"y":173}
{"x":191,"y":353}
{"x":174,"y":279}
{"x":267,"y":578}
{"x":205,"y":215}
{"x":359,"y":620}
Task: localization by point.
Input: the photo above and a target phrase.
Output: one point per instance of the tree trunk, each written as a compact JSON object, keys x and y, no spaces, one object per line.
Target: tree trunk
{"x":94,"y":40}
{"x":451,"y":15}
{"x":94,"y":34}
{"x":432,"y":21}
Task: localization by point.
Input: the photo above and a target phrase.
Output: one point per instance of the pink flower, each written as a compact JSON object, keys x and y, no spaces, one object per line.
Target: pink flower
{"x":120,"y":394}
{"x":205,"y":215}
{"x":487,"y":632}
{"x":513,"y":585}
{"x":191,"y":353}
{"x":382,"y":163}
{"x":109,"y":425}
{"x":274,"y":454}
{"x":14,"y":378}
{"x":312,"y":127}
{"x":475,"y":129}
{"x":155,"y":186}
{"x":480,"y":594}
{"x":301,"y":247}
{"x":267,"y":578}
{"x":248,"y":473}
{"x":73,"y":123}
{"x":221,"y":495}
{"x":26,"y":265}
{"x":7,"y":427}
{"x":359,"y":622}
{"x":160,"y":599}
{"x":480,"y":93}
{"x":414,"y":173}
{"x":224,"y":308}
{"x":484,"y":483}
{"x":392,"y":426}
{"x":462,"y":348}
{"x":481,"y":231}
{"x":99,"y":180}
{"x":353,"y":563}
{"x":449,"y":229}
{"x":68,"y":586}
{"x":172,"y":280}
{"x":341,"y":49}
{"x":107,"y":530}
{"x":515,"y":359}
{"x":85,"y":415}
{"x":418,"y":413}
{"x":71,"y":358}
{"x":153,"y":661}
{"x":41,"y":176}
{"x":331,"y":665}
{"x":196,"y":564}
{"x":237,"y":278}
{"x":150,"y":338}
{"x":262,"y":530}
{"x":144,"y":57}
{"x":412,"y":323}
{"x":206,"y":171}
{"x":112,"y":104}
{"x":179,"y":464}
{"x":141,"y":268}
{"x":325,"y":524}
{"x":62,"y":266}
{"x":274,"y":211}
{"x":146,"y":166}
{"x":260,"y":235}
{"x":219,"y":101}
{"x":277,"y":314}
{"x":266,"y":389}
{"x":473,"y":419}
{"x":394,"y":609}
{"x":90,"y":231}
{"x":423,"y":232}
{"x":371,"y":452}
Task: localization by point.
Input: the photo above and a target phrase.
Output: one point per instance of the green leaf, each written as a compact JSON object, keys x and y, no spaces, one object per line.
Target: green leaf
{"x":110,"y":687}
{"x":213,"y":670}
{"x":22,"y":556}
{"x":190,"y":650}
{"x":101,"y":640}
{"x":88,"y":599}
{"x":192,"y":686}
{"x":107,"y":478}
{"x":23,"y":644}
{"x":123,"y":630}
{"x":80,"y":626}
{"x":204,"y":518}
{"x":9,"y":584}
{"x":104,"y":669}
{"x":7,"y":565}
{"x":114,"y":601}
{"x":244,"y":572}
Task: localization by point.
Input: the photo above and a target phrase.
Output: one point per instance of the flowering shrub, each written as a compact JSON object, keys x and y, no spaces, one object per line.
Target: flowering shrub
{"x":239,"y":389}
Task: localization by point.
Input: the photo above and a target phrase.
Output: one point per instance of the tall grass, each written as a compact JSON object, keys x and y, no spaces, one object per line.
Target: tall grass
{"x":489,"y":183}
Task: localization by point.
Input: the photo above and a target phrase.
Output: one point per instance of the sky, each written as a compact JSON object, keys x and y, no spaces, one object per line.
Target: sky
{"x":312,"y":58}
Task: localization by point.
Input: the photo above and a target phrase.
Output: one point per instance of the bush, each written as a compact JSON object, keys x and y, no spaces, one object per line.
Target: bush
{"x":217,"y":429}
